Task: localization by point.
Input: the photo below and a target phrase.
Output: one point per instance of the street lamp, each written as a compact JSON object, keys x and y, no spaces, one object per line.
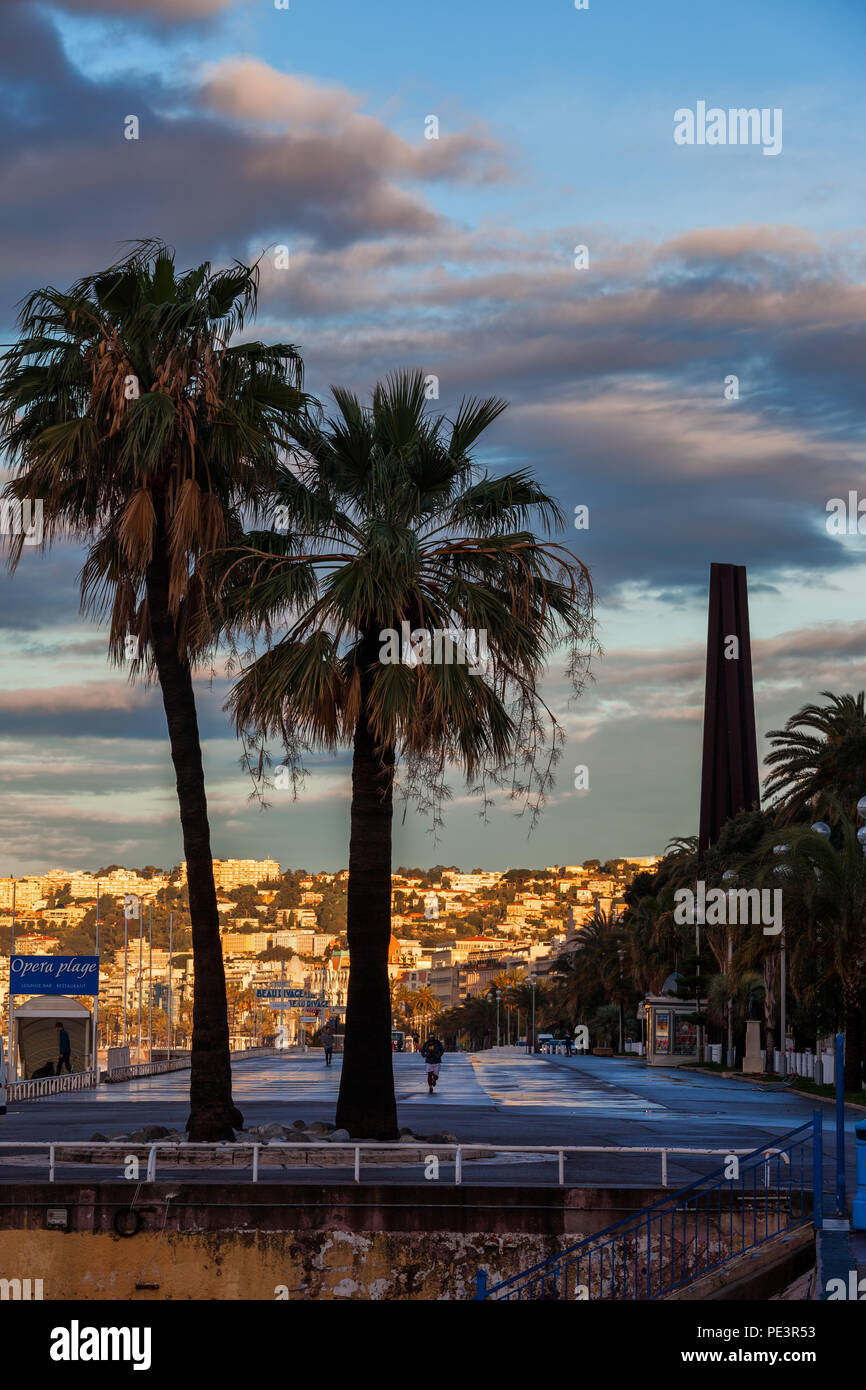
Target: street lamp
{"x":784,"y":871}
{"x":730,"y":877}
{"x":530,"y":1041}
{"x":497,"y":995}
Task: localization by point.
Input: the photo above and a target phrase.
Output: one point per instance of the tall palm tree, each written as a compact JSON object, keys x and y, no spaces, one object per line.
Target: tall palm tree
{"x":824,"y":900}
{"x":588,"y":974}
{"x":819,"y":759}
{"x":388,"y":520}
{"x":148,"y":437}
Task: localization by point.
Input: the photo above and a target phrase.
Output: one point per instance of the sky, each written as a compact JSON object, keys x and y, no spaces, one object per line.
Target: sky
{"x":306,"y":127}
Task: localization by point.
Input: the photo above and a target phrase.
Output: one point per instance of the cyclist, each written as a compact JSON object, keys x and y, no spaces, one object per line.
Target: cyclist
{"x":432,"y":1052}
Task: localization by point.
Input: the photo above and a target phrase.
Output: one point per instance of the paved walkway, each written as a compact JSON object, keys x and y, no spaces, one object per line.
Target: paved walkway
{"x":492,"y":1097}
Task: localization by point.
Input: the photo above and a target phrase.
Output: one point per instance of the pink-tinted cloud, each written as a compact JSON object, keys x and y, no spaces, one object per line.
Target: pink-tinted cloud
{"x":163,"y":9}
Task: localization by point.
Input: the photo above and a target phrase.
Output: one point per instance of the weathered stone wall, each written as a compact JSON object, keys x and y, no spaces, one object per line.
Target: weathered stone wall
{"x":274,"y":1240}
{"x":267,"y":1264}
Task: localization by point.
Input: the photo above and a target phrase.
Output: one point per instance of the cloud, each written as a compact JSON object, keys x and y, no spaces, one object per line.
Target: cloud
{"x":164,"y":9}
{"x":254,"y":92}
{"x":302,"y":159}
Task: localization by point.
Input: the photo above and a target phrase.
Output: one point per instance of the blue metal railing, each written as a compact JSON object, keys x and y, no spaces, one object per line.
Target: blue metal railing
{"x":687,"y":1234}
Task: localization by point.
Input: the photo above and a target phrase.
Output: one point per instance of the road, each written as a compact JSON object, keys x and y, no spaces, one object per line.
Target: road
{"x":493,"y":1097}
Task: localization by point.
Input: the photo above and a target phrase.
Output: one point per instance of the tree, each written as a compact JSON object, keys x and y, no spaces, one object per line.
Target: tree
{"x":822,"y":772}
{"x":389,"y":521}
{"x":411,"y":1006}
{"x":824,"y":887}
{"x":147,"y":436}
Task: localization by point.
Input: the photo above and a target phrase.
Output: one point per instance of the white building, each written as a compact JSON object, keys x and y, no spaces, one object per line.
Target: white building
{"x":239,"y":873}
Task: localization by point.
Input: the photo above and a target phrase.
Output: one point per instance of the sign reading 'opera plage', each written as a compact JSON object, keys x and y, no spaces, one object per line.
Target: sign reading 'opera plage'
{"x":54,"y":975}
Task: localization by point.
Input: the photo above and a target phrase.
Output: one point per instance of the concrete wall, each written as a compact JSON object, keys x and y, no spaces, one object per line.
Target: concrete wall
{"x":203,"y":1241}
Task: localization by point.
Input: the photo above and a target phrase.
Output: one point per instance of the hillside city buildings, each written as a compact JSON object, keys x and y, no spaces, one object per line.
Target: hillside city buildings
{"x":452,"y":933}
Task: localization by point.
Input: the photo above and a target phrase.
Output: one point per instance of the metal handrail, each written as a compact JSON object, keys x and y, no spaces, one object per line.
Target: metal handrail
{"x":461,"y":1152}
{"x":551,"y":1276}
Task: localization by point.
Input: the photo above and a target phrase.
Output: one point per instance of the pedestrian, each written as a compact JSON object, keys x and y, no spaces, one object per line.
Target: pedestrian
{"x":328,"y":1041}
{"x":65,"y":1049}
{"x":432,"y":1052}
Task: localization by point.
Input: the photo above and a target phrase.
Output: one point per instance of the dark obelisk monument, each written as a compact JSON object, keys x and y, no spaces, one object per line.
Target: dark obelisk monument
{"x":729,"y":775}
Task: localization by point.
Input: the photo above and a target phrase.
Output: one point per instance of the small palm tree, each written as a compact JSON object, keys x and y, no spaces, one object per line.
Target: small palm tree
{"x":389,"y":521}
{"x":148,"y":438}
{"x":819,"y":760}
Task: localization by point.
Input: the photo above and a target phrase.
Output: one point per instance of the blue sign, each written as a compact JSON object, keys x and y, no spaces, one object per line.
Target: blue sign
{"x":281,"y":992}
{"x":54,"y":975}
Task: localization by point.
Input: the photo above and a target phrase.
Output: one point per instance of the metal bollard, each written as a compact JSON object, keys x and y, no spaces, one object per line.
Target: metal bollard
{"x":858,"y":1209}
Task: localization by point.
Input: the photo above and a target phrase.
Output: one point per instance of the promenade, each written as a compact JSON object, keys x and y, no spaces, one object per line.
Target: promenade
{"x":494,"y":1097}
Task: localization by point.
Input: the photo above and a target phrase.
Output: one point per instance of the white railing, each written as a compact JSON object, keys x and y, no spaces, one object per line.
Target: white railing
{"x":36,"y":1088}
{"x":145,"y":1069}
{"x":461,"y":1153}
{"x":49,"y":1085}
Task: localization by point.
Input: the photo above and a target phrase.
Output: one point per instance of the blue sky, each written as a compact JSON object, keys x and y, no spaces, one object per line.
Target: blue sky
{"x":556,"y":128}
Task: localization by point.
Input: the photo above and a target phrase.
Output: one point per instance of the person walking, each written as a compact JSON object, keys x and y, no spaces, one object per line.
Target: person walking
{"x":328,"y":1041}
{"x":65,"y":1049}
{"x":432,"y":1052}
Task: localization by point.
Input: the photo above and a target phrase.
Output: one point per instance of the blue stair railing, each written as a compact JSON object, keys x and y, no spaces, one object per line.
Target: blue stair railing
{"x":688,"y":1233}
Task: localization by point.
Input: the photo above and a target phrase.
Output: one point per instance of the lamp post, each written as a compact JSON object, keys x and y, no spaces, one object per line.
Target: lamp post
{"x":11,"y":1059}
{"x":168,"y":1028}
{"x":533,"y":1014}
{"x":496,"y":994}
{"x":127,"y":910}
{"x":140,"y":966}
{"x":784,"y":871}
{"x":699,"y":1032}
{"x":730,"y":877}
{"x":620,"y":954}
{"x":820,"y":828}
{"x":95,"y":1057}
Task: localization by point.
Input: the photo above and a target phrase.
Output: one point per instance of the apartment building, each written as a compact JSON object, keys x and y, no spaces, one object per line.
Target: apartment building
{"x":297,"y":917}
{"x":26,"y":891}
{"x":60,"y":916}
{"x":472,"y":883}
{"x":36,"y":945}
{"x":239,"y":873}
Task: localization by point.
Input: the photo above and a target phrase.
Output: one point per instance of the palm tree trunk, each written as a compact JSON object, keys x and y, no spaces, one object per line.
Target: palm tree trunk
{"x":213,"y":1116}
{"x":366,"y":1105}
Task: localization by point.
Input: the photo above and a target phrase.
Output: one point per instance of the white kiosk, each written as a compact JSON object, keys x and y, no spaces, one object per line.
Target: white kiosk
{"x":35,"y":1034}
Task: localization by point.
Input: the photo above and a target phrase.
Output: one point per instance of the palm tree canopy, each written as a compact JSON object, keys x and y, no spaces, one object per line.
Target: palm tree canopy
{"x":819,"y":759}
{"x":125,"y":408}
{"x":388,"y":520}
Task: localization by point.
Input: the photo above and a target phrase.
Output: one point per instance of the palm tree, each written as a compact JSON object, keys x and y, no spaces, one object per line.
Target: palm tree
{"x":812,"y":770}
{"x":588,"y":974}
{"x":824,"y":888}
{"x":389,"y":521}
{"x":148,"y":437}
